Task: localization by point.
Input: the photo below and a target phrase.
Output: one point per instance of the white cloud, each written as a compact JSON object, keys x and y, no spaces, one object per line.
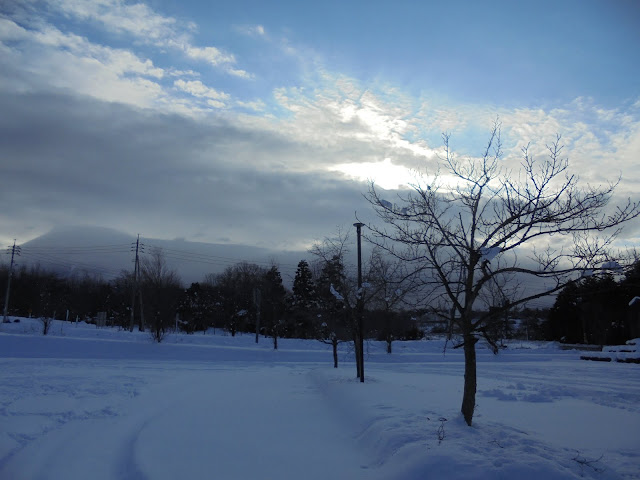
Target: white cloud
{"x":174,"y":72}
{"x":252,"y":30}
{"x":325,"y":123}
{"x":384,"y":174}
{"x":372,"y":133}
{"x":198,"y":89}
{"x":217,"y":58}
{"x":147,"y":26}
{"x":256,"y":105}
{"x":118,"y":16}
{"x":359,"y":124}
{"x":121,"y":61}
{"x":57,"y":59}
{"x":601,"y":144}
{"x":240,"y":73}
{"x":210,"y":55}
{"x":11,"y":31}
{"x":215,"y":103}
{"x":105,"y":81}
{"x":69,"y":61}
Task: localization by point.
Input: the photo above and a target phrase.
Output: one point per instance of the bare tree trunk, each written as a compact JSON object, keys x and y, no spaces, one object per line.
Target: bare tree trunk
{"x":141,"y":325}
{"x":334,"y":344}
{"x":133,"y":309}
{"x":256,"y":301}
{"x":469,"y":395}
{"x":46,"y":324}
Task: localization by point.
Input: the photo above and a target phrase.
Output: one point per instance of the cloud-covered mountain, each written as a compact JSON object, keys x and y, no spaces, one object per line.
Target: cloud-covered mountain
{"x":80,"y":250}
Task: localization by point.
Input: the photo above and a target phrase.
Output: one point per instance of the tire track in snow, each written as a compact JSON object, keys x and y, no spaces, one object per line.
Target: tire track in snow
{"x":249,"y":423}
{"x":102,"y":445}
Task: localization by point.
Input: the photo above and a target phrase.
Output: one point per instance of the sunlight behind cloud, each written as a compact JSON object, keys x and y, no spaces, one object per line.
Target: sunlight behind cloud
{"x":384,"y":174}
{"x":304,"y":118}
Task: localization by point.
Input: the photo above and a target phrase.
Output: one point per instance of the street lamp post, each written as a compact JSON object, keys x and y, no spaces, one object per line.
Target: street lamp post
{"x":360,"y":305}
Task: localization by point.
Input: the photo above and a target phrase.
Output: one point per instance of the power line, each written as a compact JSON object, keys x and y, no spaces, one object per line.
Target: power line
{"x":58,"y":257}
{"x":209,"y":258}
{"x":78,"y":249}
{"x":70,"y":265}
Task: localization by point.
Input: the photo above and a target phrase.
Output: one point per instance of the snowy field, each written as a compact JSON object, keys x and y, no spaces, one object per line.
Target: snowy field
{"x":88,"y":403}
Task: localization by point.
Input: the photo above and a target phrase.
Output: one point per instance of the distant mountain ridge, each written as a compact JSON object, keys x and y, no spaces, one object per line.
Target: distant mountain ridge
{"x":80,"y":250}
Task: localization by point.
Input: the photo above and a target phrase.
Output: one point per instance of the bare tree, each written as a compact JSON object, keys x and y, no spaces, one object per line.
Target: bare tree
{"x":162,"y":289}
{"x":337,"y":296}
{"x":236,"y":286}
{"x":330,"y":247}
{"x":46,"y":322}
{"x":481,"y":221}
{"x":495,"y":298}
{"x":389,"y":286}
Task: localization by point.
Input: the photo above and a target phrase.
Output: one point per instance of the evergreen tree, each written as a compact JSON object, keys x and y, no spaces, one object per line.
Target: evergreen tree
{"x":304,"y":290}
{"x":273,"y":303}
{"x":303,"y":301}
{"x":593,"y":310}
{"x":331,"y":275}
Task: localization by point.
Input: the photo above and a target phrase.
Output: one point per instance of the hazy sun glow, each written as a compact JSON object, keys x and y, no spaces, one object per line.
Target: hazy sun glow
{"x":384,"y":174}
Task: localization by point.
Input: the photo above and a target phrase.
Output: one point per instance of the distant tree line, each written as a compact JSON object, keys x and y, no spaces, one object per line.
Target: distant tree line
{"x":244,"y":298}
{"x":597,"y":310}
{"x":319,"y":306}
{"x":38,"y":292}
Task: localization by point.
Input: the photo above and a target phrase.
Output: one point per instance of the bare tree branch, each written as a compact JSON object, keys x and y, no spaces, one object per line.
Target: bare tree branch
{"x":542,"y":226}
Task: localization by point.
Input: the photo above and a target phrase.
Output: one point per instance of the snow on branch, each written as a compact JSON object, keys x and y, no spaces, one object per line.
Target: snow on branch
{"x":489,"y":253}
{"x":336,"y":294}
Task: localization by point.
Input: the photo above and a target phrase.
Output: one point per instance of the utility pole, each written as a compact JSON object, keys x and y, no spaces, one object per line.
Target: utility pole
{"x":14,"y":251}
{"x":360,"y":307}
{"x":136,"y":288}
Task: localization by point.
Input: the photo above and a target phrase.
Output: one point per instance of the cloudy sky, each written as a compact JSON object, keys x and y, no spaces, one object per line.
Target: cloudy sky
{"x":259,"y":122}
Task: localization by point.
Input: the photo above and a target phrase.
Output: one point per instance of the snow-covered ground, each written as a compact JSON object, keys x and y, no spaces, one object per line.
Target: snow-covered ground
{"x":96,"y":403}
